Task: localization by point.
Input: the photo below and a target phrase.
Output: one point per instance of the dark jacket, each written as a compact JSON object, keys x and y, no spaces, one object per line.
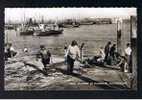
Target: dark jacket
{"x":44,"y":54}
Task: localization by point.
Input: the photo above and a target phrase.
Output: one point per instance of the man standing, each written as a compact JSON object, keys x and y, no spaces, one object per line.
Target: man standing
{"x":45,"y":55}
{"x":107,"y":53}
{"x":112,"y":53}
{"x":128,"y":52}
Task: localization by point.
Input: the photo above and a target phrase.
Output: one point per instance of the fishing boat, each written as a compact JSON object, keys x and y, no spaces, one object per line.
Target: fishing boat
{"x":28,"y":27}
{"x":75,"y":24}
{"x":67,"y":26}
{"x":71,"y":25}
{"x":87,"y":23}
{"x":9,"y":27}
{"x":27,"y":31}
{"x":47,"y":31}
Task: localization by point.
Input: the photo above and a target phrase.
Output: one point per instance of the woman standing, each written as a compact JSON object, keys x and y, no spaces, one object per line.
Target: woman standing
{"x":73,"y":53}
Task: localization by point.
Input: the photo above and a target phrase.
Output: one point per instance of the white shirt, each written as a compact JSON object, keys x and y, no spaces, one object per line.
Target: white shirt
{"x":73,"y":51}
{"x":25,"y":49}
{"x":102,"y":54}
{"x":12,"y":49}
{"x":128,"y":51}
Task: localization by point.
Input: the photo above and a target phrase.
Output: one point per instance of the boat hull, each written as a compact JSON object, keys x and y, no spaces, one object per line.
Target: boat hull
{"x":71,"y":26}
{"x":48,"y":33}
{"x":27,"y":33}
{"x":67,"y":26}
{"x":86,"y":23}
{"x":76,"y":25}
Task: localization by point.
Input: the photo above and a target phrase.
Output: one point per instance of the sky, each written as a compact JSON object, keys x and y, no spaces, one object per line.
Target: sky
{"x":18,"y":14}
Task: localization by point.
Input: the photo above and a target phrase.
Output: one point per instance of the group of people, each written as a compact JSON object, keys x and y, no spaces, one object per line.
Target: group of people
{"x":107,"y":55}
{"x":72,"y":53}
{"x":114,"y":58}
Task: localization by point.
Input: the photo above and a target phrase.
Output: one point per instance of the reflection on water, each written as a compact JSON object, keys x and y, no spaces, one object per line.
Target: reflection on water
{"x":94,"y":36}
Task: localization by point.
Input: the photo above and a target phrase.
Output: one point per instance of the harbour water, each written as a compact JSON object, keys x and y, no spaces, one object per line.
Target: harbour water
{"x":94,"y":36}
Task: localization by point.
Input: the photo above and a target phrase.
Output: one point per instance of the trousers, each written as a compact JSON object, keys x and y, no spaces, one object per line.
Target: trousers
{"x":70,"y":64}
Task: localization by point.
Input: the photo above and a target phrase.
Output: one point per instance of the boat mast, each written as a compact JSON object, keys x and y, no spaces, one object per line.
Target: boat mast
{"x":7,"y":32}
{"x":24,"y":25}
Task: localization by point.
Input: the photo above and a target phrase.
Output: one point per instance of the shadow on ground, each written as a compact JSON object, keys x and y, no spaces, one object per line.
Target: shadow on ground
{"x":91,"y":83}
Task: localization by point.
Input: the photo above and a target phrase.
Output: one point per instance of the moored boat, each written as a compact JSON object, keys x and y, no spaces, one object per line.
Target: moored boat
{"x":27,"y":32}
{"x":87,"y":23}
{"x":48,"y":32}
{"x":70,"y":25}
{"x":67,"y":26}
{"x":76,"y":25}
